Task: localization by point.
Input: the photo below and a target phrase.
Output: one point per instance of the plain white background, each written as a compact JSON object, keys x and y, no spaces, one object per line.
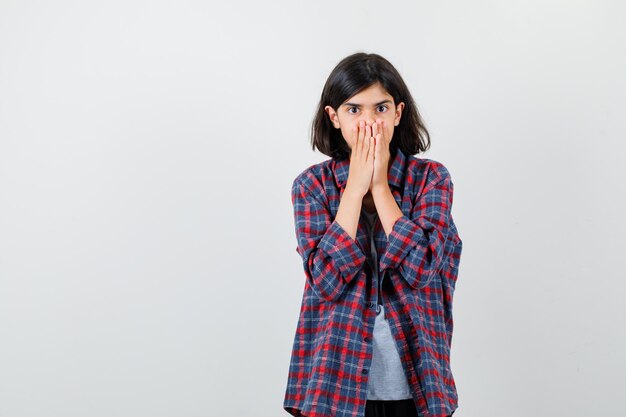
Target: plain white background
{"x":147,"y":244}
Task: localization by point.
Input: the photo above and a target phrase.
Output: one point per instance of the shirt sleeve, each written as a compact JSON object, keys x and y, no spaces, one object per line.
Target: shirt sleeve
{"x":416,"y":246}
{"x":330,"y":256}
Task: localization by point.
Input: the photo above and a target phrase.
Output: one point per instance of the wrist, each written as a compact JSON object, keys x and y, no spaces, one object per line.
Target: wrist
{"x":380,"y":189}
{"x":353,"y":194}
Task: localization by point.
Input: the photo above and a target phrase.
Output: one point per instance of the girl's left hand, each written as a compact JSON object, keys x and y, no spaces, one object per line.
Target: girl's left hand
{"x":381,"y":155}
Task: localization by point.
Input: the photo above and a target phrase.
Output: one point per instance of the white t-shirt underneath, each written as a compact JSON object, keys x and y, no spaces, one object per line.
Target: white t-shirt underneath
{"x":387,"y":380}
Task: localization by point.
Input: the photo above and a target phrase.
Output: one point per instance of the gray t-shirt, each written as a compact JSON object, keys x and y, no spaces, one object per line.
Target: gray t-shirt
{"x":387,"y":380}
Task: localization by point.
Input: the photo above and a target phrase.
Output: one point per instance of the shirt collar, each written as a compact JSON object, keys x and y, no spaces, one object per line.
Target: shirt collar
{"x":395,"y":174}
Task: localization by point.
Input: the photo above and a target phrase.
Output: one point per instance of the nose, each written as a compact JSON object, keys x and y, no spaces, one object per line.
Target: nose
{"x":369,"y":117}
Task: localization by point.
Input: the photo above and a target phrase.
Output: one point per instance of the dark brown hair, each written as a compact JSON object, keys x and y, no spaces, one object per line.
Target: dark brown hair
{"x":352,"y":74}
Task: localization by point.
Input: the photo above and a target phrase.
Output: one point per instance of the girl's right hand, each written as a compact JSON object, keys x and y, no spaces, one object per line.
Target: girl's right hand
{"x":361,"y":159}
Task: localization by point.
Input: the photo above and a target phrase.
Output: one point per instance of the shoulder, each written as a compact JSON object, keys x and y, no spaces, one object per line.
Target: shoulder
{"x":315,"y":178}
{"x":426,"y":171}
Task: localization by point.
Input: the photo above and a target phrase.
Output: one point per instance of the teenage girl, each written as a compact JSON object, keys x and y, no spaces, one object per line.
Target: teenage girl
{"x":357,"y":350}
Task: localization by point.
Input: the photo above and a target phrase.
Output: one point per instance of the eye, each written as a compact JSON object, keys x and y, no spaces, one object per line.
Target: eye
{"x":383,"y":106}
{"x":350,"y":108}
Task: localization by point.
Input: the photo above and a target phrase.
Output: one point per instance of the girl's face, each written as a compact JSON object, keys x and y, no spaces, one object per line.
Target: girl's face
{"x":371,"y":105}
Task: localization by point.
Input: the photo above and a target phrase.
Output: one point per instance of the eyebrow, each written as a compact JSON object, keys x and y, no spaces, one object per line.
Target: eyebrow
{"x":359,"y":105}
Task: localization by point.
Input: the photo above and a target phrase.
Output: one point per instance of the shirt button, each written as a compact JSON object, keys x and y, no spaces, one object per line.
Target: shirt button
{"x":367,"y":339}
{"x":365,"y":371}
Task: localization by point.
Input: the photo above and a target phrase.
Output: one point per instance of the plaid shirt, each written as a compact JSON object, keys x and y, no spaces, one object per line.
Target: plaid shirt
{"x":332,"y":348}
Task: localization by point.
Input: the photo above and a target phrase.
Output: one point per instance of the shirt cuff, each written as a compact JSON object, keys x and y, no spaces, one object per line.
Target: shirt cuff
{"x":404,"y":236}
{"x":344,"y":250}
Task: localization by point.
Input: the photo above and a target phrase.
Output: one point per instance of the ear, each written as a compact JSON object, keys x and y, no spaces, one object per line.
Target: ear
{"x":399,"y":109}
{"x":332,"y":115}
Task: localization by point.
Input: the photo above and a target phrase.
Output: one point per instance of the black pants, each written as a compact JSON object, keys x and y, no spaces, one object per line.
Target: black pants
{"x":390,"y":408}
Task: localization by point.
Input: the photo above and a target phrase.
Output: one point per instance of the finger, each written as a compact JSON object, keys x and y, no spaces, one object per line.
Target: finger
{"x":383,"y":133}
{"x":364,"y":137}
{"x":361,"y":130}
{"x":375,"y":127}
{"x":356,"y":146}
{"x":368,"y":132}
{"x":362,"y":143}
{"x":355,"y":140}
